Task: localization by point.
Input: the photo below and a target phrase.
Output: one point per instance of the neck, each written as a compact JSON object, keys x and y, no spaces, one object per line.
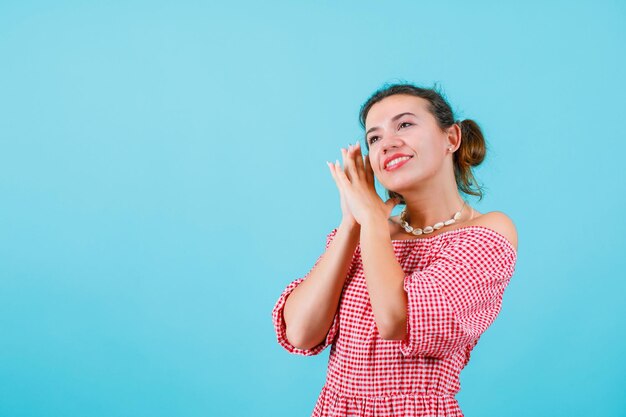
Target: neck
{"x":425,"y":207}
{"x":434,"y":199}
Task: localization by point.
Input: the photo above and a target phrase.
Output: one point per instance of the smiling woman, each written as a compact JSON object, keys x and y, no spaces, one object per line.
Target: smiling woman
{"x":403,"y":301}
{"x":432,"y":107}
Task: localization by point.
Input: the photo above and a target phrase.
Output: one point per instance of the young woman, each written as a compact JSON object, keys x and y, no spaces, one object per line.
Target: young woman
{"x":402,"y":300}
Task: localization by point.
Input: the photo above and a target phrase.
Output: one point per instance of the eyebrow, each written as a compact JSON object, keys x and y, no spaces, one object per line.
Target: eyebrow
{"x":393,"y":119}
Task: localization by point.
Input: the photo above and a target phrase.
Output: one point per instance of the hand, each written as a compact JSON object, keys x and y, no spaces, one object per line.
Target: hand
{"x":347,"y":217}
{"x":359,"y":200}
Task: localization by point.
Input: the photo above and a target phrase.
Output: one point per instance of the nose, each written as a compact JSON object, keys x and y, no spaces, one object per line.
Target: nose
{"x":390,"y":142}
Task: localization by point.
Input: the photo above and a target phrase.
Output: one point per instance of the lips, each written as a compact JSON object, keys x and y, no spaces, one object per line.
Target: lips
{"x":398,"y":160}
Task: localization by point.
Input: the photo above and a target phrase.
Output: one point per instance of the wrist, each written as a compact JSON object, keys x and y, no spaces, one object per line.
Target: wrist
{"x":375,"y":224}
{"x":350,"y":225}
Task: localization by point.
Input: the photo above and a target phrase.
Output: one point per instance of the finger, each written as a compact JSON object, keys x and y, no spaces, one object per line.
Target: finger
{"x":346,"y":164}
{"x":342,"y":177}
{"x":331,"y":167}
{"x":353,"y":161}
{"x":358,"y":159}
{"x":335,"y":169}
{"x":368,"y":170}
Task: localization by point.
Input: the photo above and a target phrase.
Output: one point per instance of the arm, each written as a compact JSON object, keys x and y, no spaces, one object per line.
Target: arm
{"x":383,"y":274}
{"x":305,"y":316}
{"x":446,"y":306}
{"x":385,"y":279}
{"x":310,"y":308}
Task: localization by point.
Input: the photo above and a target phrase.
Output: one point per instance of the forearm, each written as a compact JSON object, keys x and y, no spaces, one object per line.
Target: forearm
{"x":385,"y":279}
{"x":310,"y":308}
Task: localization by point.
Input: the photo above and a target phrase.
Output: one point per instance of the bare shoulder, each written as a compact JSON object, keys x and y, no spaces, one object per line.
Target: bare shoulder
{"x":501,"y":223}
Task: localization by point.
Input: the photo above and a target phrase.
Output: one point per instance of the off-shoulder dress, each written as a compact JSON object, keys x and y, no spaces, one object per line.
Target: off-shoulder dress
{"x":455,"y":282}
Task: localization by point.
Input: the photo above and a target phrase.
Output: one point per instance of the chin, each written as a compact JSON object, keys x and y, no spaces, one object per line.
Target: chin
{"x":400,"y":188}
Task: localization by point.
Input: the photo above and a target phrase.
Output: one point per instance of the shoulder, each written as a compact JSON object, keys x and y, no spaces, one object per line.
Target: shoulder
{"x":501,"y":223}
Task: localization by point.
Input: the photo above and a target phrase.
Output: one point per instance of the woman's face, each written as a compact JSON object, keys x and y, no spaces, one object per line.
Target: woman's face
{"x":406,"y":145}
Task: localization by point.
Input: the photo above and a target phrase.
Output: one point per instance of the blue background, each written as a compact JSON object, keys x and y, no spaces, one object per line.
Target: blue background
{"x":163,"y":177}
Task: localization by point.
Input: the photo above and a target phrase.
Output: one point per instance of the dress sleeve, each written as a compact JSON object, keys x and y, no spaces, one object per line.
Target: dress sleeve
{"x":279,"y":321}
{"x":458,"y":296}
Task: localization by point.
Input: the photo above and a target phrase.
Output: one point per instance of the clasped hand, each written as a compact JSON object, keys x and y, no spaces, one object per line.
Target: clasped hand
{"x":360,"y":202}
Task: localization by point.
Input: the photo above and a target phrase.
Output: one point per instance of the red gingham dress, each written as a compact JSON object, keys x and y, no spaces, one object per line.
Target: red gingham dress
{"x":454,"y":283}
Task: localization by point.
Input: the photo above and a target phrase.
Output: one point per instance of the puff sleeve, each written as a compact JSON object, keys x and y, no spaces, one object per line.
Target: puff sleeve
{"x":458,"y":296}
{"x":279,"y":321}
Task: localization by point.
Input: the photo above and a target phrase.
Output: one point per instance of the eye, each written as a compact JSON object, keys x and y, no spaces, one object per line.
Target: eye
{"x":372,"y":139}
{"x":405,"y":123}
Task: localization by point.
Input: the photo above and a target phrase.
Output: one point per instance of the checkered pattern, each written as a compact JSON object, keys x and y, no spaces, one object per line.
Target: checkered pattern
{"x":455,"y":282}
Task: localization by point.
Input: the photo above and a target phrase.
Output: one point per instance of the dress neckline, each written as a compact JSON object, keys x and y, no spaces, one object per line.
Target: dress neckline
{"x":499,"y":236}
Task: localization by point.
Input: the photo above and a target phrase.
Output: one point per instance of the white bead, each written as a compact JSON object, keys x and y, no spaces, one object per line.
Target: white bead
{"x":427,"y":229}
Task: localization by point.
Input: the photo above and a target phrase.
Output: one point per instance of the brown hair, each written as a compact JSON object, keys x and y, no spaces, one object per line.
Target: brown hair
{"x":472,"y":150}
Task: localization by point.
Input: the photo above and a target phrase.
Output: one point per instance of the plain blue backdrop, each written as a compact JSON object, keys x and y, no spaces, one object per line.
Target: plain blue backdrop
{"x":163,"y":177}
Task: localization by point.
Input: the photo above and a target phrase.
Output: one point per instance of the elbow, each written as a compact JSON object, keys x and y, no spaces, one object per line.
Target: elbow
{"x":299,"y":339}
{"x":391,"y":319}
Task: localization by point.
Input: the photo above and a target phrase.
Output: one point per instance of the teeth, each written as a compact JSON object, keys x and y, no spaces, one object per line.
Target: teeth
{"x":397,"y":160}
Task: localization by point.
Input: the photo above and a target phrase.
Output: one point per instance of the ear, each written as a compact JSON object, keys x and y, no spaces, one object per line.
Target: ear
{"x":454,"y":137}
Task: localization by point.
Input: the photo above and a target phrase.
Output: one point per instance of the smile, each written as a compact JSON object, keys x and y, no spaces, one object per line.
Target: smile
{"x":397,"y":163}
